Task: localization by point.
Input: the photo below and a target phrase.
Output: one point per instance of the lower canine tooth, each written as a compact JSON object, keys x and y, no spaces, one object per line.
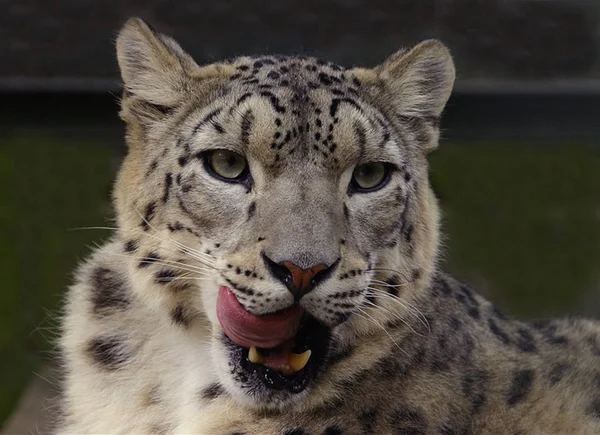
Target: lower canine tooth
{"x":254,"y":355}
{"x":299,"y":360}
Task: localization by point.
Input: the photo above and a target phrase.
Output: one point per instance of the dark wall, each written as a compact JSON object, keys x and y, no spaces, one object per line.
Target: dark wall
{"x":68,"y":44}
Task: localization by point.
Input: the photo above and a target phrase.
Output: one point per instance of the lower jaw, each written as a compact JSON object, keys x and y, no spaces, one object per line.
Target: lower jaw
{"x":311,"y":335}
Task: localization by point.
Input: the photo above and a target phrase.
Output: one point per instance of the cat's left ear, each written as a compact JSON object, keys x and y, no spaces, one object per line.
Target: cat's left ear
{"x":419,"y":81}
{"x":415,"y":85}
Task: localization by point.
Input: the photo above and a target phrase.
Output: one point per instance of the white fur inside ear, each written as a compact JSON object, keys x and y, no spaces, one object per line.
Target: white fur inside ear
{"x":153,"y":67}
{"x":419,"y":82}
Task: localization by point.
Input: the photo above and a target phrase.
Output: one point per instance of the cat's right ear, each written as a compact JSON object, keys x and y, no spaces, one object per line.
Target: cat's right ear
{"x":158,"y":75}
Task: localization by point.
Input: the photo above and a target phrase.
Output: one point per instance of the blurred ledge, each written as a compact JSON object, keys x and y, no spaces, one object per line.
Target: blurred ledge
{"x":463,"y":87}
{"x":37,"y":408}
{"x":542,"y":117}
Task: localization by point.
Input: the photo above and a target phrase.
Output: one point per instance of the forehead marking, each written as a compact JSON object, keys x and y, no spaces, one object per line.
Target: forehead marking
{"x":207,"y":119}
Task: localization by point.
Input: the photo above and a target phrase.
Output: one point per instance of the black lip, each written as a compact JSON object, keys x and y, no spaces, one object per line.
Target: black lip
{"x":312,"y":335}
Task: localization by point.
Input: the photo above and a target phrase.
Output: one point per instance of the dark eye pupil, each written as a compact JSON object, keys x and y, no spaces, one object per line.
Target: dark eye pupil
{"x":231,"y":160}
{"x":367,"y":171}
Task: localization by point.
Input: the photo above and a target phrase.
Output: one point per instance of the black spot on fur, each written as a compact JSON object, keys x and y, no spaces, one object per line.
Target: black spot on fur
{"x":218,"y":127}
{"x":525,"y":341}
{"x":208,"y":118}
{"x":245,"y":290}
{"x":212,"y":391}
{"x":295,"y":431}
{"x":474,"y":312}
{"x":473,"y":387}
{"x":333,"y":430}
{"x":594,"y":409}
{"x":391,"y":367}
{"x":180,"y":316}
{"x":407,"y":232}
{"x":130,"y":246}
{"x":150,"y":258}
{"x":246,"y":126}
{"x":274,"y":100}
{"x":243,"y":98}
{"x":549,"y":329}
{"x":368,"y":420}
{"x":557,"y":372}
{"x":495,"y":329}
{"x":165,"y":276}
{"x":251,"y":210}
{"x":361,"y":136}
{"x":110,"y":292}
{"x":447,"y":430}
{"x":335,"y":103}
{"x":408,"y":422}
{"x":520,"y":386}
{"x":499,"y":314}
{"x":182,"y":160}
{"x":346,"y":212}
{"x":152,"y":167}
{"x":176,"y":226}
{"x":454,"y":323}
{"x":109,"y":352}
{"x":273,"y":75}
{"x":168,"y":183}
{"x":469,"y":295}
{"x":148,"y":215}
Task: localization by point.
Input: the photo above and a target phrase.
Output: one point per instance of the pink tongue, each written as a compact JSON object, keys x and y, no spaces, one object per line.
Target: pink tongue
{"x":247,"y":330}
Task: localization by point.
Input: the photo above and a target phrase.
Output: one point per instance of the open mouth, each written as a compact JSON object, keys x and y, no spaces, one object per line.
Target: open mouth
{"x":284,"y":350}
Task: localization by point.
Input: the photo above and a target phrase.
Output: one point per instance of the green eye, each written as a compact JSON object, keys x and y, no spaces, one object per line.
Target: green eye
{"x":369,"y":176}
{"x":227,"y":164}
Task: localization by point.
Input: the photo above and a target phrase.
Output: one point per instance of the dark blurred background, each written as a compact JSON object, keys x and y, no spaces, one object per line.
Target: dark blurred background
{"x":518,"y":169}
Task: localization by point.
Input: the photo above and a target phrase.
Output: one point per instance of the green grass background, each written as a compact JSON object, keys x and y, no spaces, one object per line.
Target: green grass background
{"x":522,"y":223}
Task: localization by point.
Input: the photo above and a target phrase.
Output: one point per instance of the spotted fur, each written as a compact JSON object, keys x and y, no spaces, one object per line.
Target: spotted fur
{"x":410,"y":349}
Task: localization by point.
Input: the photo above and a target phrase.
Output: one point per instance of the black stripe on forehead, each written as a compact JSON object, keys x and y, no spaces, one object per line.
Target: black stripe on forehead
{"x":208,"y":119}
{"x":361,"y":137}
{"x":246,"y":126}
{"x":335,"y":104}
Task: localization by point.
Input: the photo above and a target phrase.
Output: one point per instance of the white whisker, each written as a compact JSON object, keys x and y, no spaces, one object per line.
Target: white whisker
{"x":396,"y":316}
{"x":207,"y":260}
{"x":170,"y":263}
{"x":366,"y":316}
{"x":192,"y":252}
{"x":405,"y":304}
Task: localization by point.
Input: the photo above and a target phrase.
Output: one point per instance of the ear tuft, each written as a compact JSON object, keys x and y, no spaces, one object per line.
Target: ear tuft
{"x":419,"y":81}
{"x":153,"y":66}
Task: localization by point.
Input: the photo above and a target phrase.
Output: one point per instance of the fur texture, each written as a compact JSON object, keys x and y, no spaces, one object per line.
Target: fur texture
{"x":409,"y":350}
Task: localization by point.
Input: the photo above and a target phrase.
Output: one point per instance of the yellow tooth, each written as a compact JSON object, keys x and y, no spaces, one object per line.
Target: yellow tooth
{"x":254,"y":355}
{"x":299,"y":360}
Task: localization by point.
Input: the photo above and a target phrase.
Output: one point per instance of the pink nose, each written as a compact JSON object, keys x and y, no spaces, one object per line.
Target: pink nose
{"x":301,"y":278}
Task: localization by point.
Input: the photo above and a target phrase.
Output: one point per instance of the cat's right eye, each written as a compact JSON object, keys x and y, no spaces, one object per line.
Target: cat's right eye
{"x":226,"y":165}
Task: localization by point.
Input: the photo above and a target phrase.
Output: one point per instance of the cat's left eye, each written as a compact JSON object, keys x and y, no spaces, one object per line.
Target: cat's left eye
{"x":370,"y":176}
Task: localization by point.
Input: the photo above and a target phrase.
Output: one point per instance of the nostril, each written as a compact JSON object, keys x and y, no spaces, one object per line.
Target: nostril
{"x":322,"y":275}
{"x":279,"y":272}
{"x":298,"y":281}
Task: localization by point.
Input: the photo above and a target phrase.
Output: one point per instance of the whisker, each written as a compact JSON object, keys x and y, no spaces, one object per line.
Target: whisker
{"x":385,"y":269}
{"x":206,"y":259}
{"x":163,"y":262}
{"x":387,"y":284}
{"x":182,"y":246}
{"x":396,"y":316}
{"x":372,"y":320}
{"x":405,"y":304}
